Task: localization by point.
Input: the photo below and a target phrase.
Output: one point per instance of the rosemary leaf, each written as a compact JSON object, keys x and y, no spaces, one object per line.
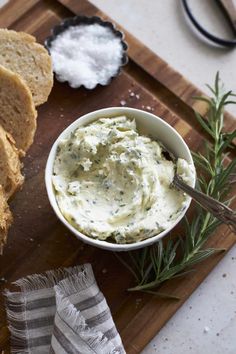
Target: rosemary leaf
{"x":168,"y":259}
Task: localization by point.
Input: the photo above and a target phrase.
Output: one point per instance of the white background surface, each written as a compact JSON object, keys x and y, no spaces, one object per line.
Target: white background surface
{"x":206,"y":323}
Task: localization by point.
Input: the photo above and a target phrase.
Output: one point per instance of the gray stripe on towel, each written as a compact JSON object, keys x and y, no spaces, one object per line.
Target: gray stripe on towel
{"x":63,"y":341}
{"x":33,"y":324}
{"x":99,"y":319}
{"x":40,"y":341}
{"x":88,"y":303}
{"x":34,"y":304}
{"x":111,"y":333}
{"x":39,"y":303}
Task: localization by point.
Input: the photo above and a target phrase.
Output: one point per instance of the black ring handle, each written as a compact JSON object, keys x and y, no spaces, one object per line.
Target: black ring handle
{"x":204,"y":32}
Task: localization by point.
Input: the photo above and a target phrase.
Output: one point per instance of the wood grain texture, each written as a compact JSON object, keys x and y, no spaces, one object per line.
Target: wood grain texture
{"x":38,"y":241}
{"x":13,"y":10}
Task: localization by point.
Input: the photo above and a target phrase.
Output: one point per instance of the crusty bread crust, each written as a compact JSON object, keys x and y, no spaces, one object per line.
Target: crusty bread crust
{"x":11,"y":178}
{"x":17,"y":111}
{"x":6,"y":219}
{"x":20,"y":53}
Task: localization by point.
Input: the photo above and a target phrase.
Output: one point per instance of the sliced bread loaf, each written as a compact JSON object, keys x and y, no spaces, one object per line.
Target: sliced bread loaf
{"x":5,"y":219}
{"x":20,"y":53}
{"x":11,"y":178}
{"x":17,"y":111}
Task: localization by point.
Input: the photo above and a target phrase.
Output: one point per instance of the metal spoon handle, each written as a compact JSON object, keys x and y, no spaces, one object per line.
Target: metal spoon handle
{"x":216,"y":208}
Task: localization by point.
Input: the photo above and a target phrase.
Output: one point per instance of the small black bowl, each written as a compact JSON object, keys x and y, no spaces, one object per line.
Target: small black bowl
{"x":85,"y":20}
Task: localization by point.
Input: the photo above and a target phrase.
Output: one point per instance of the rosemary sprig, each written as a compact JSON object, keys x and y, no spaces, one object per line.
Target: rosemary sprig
{"x":151,"y":266}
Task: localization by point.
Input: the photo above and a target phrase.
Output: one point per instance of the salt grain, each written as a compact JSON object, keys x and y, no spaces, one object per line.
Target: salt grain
{"x":86,"y":55}
{"x":138,"y":302}
{"x":206,"y":329}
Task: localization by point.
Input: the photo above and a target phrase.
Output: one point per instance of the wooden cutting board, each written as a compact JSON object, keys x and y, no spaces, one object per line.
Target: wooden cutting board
{"x":37,"y":240}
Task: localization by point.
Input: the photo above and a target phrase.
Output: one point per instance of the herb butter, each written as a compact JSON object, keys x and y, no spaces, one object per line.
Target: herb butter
{"x":112,"y":183}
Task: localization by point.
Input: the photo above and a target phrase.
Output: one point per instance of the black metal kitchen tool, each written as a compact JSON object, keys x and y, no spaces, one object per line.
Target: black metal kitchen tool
{"x":228,"y":8}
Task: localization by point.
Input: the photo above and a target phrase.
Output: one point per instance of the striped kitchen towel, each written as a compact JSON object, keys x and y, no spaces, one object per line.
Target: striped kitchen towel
{"x":62,"y":311}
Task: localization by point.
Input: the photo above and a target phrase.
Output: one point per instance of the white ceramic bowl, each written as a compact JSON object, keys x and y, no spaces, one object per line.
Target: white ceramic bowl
{"x":148,"y":124}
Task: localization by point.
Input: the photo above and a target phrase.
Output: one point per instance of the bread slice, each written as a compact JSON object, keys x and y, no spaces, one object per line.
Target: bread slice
{"x":11,"y":178}
{"x":6,"y":219}
{"x":20,"y":53}
{"x":17,"y":111}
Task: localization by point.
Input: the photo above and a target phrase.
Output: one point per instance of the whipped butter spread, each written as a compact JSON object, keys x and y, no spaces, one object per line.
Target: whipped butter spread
{"x":113,"y":184}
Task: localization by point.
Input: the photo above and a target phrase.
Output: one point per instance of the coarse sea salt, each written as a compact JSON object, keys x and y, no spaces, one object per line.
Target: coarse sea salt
{"x":86,"y":55}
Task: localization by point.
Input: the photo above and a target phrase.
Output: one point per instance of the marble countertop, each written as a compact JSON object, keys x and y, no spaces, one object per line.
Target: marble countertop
{"x":207,"y":321}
